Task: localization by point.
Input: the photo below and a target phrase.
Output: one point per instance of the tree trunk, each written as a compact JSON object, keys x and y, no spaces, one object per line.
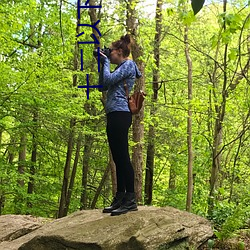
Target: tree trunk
{"x":9,"y":160}
{"x":35,"y":113}
{"x":33,"y":160}
{"x":11,"y":154}
{"x":34,"y":146}
{"x":189,"y":125}
{"x":172,"y":170}
{"x":85,"y":170}
{"x":99,"y":189}
{"x":19,"y":199}
{"x":33,"y":157}
{"x":64,"y":191}
{"x":137,"y":126}
{"x":73,"y":174}
{"x":32,"y":167}
{"x":90,"y":108}
{"x":21,"y":159}
{"x":151,"y":134}
{"x":172,"y":178}
{"x":217,"y":142}
{"x":2,"y":200}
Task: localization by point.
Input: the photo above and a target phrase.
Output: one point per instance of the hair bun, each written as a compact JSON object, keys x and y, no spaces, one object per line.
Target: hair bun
{"x":126,"y":39}
{"x":123,"y":43}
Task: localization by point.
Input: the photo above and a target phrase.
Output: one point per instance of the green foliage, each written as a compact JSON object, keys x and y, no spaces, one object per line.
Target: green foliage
{"x":222,"y":210}
{"x":210,"y":244}
{"x":241,"y":245}
{"x":233,"y":222}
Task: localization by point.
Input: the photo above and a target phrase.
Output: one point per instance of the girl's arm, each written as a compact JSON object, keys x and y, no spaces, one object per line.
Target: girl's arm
{"x":123,"y":72}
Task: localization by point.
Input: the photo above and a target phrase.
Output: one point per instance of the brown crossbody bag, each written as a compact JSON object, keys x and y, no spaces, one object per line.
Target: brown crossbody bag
{"x":135,"y":101}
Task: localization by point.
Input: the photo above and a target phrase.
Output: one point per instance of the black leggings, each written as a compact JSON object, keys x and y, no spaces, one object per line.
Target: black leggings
{"x":118,"y":123}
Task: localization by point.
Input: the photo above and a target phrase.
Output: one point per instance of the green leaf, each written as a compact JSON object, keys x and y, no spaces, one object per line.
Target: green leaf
{"x":210,"y":244}
{"x":226,"y":36}
{"x":233,"y":54}
{"x":188,"y":17}
{"x":197,"y":5}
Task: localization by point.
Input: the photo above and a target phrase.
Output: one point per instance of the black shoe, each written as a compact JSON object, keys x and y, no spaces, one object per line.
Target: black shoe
{"x":128,"y":204}
{"x":116,"y":203}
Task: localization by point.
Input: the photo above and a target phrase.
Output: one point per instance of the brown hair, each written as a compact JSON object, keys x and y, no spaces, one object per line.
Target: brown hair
{"x":124,"y":44}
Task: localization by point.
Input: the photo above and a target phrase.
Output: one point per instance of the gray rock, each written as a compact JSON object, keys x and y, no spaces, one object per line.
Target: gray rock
{"x":147,"y":229}
{"x":15,"y":226}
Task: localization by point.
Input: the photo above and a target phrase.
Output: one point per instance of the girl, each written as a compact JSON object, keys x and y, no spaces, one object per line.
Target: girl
{"x":119,"y":119}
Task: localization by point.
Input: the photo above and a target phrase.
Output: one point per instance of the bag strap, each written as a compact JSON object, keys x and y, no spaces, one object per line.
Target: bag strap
{"x":126,"y":88}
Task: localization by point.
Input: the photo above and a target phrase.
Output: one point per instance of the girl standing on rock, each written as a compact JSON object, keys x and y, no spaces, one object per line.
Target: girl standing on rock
{"x":119,"y":120}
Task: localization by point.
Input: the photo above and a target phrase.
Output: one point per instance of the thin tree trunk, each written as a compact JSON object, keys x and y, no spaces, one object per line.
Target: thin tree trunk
{"x":64,"y":191}
{"x":234,"y":168}
{"x":172,"y":170}
{"x":34,"y":145}
{"x":33,"y":157}
{"x":90,"y":108}
{"x":189,"y":125}
{"x":32,"y":167}
{"x":85,"y":170}
{"x":21,"y":159}
{"x":151,"y":134}
{"x":19,"y":199}
{"x":137,"y":126}
{"x":11,"y":155}
{"x":172,"y":178}
{"x":2,"y":201}
{"x":99,"y":189}
{"x":35,"y":113}
{"x":73,"y":174}
{"x":217,"y":142}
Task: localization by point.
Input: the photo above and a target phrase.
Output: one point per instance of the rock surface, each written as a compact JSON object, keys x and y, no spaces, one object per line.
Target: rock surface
{"x":147,"y":229}
{"x":15,"y":226}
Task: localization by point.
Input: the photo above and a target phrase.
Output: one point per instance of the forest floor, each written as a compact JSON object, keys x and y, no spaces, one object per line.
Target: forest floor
{"x":241,"y":242}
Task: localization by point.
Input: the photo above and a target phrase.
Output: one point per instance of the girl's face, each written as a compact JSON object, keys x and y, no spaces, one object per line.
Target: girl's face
{"x":116,"y":56}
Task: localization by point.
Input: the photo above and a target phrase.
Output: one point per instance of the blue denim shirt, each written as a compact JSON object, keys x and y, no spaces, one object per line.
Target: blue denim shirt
{"x":113,"y":82}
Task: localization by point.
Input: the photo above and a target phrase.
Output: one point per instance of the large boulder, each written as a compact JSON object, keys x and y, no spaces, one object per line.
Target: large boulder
{"x":15,"y":226}
{"x":147,"y":229}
